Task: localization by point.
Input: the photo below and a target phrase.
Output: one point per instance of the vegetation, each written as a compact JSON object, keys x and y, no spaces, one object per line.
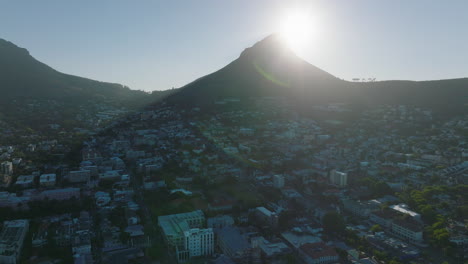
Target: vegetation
{"x":333,"y":223}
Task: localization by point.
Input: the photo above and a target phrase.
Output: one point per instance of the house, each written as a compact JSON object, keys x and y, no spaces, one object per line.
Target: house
{"x":358,"y":208}
{"x":270,"y":250}
{"x":25,"y":181}
{"x":318,"y":253}
{"x":79,"y":176}
{"x":60,"y":194}
{"x":47,"y":180}
{"x":233,"y":244}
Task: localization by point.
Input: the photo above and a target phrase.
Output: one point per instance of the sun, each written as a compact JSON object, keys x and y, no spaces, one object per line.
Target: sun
{"x":296,"y":30}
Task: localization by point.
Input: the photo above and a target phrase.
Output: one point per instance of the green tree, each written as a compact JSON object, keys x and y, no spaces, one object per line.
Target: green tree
{"x":376,"y":228}
{"x":333,"y":223}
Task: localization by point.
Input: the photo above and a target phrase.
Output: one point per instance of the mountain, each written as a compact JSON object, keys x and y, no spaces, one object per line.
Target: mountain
{"x":33,"y":95}
{"x":270,"y":68}
{"x":22,"y":76}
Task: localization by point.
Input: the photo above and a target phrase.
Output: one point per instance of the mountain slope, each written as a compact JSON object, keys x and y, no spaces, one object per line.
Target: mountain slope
{"x":269,"y":68}
{"x":265,"y":69}
{"x":23,"y":76}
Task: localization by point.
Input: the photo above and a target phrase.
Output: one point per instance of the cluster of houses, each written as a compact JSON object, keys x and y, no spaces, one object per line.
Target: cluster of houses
{"x":311,"y":164}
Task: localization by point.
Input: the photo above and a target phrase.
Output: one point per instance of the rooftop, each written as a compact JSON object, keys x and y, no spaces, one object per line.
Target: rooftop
{"x":318,"y":250}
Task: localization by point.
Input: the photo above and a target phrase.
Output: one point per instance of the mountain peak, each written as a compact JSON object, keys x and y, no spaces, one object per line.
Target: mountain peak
{"x":273,"y":44}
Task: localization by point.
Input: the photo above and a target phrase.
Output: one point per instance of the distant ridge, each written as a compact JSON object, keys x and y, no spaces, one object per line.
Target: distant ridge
{"x":21,"y":75}
{"x":270,"y":68}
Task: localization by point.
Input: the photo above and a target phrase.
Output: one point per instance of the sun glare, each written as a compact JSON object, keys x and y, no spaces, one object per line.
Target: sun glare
{"x":296,"y":29}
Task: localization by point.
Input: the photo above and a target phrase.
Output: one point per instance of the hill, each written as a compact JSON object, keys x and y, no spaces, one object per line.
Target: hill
{"x":21,"y":75}
{"x":34,"y":95}
{"x":269,"y":68}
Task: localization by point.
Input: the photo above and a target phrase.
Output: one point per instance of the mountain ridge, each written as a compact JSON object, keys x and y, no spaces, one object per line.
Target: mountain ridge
{"x":269,"y":68}
{"x":21,"y":74}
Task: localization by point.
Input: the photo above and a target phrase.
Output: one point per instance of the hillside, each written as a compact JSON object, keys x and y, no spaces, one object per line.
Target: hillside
{"x":269,"y":68}
{"x":21,"y":75}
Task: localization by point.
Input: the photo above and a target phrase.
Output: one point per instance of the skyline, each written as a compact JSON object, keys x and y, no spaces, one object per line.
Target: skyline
{"x":151,"y":46}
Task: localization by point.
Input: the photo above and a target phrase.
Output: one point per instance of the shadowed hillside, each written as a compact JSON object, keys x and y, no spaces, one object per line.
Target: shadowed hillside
{"x":269,"y":68}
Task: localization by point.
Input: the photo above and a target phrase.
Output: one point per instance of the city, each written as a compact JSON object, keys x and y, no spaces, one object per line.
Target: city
{"x":267,"y":160}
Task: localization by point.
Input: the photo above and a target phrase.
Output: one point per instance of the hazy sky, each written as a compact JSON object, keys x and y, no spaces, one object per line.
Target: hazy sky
{"x":157,"y":45}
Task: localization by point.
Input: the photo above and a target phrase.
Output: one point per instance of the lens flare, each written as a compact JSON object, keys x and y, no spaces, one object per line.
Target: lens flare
{"x":296,"y":29}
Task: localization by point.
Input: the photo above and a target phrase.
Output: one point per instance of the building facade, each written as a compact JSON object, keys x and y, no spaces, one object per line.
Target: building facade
{"x":338,"y":178}
{"x":11,"y":240}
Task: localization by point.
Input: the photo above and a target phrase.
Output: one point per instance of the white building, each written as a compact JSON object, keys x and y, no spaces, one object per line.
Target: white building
{"x":339,"y":178}
{"x":6,"y":168}
{"x":25,"y":181}
{"x":174,"y":228}
{"x":404,"y":209}
{"x":11,"y":240}
{"x":278,"y":181}
{"x":199,"y":242}
{"x":408,"y":230}
{"x":47,"y":180}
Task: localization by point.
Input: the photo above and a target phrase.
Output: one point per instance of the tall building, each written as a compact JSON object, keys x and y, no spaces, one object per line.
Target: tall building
{"x":278,"y":181}
{"x":339,"y":178}
{"x":11,"y":240}
{"x":185,"y":233}
{"x":199,"y":242}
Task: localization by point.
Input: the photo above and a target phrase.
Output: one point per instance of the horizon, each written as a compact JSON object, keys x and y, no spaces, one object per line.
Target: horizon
{"x":141,"y":49}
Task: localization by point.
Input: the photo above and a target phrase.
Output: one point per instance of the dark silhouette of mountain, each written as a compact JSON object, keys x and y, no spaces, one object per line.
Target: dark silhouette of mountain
{"x":270,"y":68}
{"x":21,"y":75}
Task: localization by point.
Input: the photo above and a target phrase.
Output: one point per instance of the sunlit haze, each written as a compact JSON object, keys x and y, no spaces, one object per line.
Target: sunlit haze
{"x":297,"y":29}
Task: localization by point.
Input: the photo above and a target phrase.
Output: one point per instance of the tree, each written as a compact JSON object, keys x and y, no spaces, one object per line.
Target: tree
{"x":376,"y":228}
{"x":124,"y":237}
{"x":333,"y":223}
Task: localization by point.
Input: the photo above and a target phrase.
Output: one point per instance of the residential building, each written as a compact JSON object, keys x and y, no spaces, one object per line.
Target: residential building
{"x":220,"y":221}
{"x":47,"y":180}
{"x":338,"y":178}
{"x":79,"y":176}
{"x":278,"y":181}
{"x":233,"y":244}
{"x":60,"y":194}
{"x":383,"y":218}
{"x":270,"y":250}
{"x":266,"y":216}
{"x":25,"y":181}
{"x":318,"y":253}
{"x":358,"y":208}
{"x":404,"y":209}
{"x":11,"y":240}
{"x":408,"y":229}
{"x":199,"y":242}
{"x":6,"y":168}
{"x":110,"y":175}
{"x":174,"y":227}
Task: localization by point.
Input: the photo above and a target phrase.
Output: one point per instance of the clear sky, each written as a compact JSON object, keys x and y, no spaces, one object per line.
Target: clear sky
{"x":157,"y":45}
